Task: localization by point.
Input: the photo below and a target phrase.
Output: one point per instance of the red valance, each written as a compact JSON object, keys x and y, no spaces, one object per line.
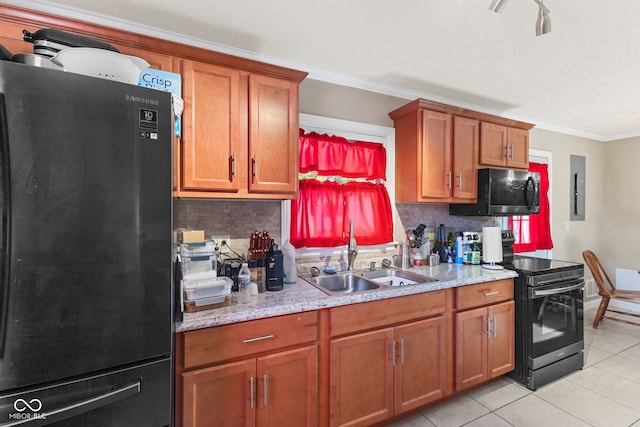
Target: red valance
{"x":335,"y":156}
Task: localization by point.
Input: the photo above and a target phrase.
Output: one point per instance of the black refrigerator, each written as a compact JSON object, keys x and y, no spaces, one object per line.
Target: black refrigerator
{"x":86,"y":250}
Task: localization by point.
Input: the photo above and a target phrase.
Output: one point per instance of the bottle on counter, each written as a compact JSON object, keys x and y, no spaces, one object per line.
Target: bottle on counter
{"x":459,"y":250}
{"x":275,"y":272}
{"x":475,"y":254}
{"x":244,"y":283}
{"x":441,"y":244}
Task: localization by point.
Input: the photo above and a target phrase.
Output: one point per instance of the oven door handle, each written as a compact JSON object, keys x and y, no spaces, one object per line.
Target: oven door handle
{"x":562,"y":280}
{"x":535,"y":293}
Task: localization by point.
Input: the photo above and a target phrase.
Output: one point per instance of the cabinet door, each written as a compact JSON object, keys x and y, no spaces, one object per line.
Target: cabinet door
{"x":436,"y":155}
{"x":471,"y":347}
{"x":288,"y":388}
{"x":493,"y":144}
{"x":500,"y":355}
{"x":212,"y":150}
{"x":466,"y":134}
{"x":518,"y":148}
{"x":420,"y":365}
{"x":273,"y":136}
{"x":361,"y":378}
{"x":221,"y":395}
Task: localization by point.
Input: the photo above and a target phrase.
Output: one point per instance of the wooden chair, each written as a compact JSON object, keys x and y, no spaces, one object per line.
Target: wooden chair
{"x":607,"y":290}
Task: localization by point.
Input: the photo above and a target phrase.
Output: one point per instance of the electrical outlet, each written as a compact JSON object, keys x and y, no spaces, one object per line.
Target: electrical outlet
{"x":218,"y":243}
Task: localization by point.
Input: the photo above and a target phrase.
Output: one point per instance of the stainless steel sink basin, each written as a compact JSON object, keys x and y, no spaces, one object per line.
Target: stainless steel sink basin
{"x":364,"y":281}
{"x":392,"y":277}
{"x":343,"y":283}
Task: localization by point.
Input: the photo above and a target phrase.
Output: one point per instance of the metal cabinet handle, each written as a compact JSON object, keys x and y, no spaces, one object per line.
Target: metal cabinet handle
{"x":393,"y":353}
{"x":254,"y":168}
{"x":251,"y":392}
{"x":265,"y":337}
{"x":264,"y":390}
{"x":510,"y":156}
{"x":460,"y":180}
{"x":233,"y":165}
{"x":506,"y":151}
{"x":495,"y":327}
{"x":488,"y":331}
{"x":402,"y":352}
{"x":449,"y":179}
{"x":491,"y":293}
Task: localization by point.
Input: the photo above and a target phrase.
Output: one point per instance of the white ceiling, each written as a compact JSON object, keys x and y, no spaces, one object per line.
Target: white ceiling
{"x":583,"y":78}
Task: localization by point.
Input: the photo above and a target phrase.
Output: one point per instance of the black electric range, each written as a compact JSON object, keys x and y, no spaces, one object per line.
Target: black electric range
{"x":549,"y":336}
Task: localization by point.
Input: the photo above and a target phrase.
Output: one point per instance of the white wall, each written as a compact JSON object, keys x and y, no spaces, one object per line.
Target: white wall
{"x":620,"y":226}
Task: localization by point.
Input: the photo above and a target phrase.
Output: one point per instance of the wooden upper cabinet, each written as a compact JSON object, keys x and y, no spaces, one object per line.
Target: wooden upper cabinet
{"x":504,"y":146}
{"x":273,"y":135}
{"x":240,"y":134}
{"x":466,"y":134}
{"x":436,"y":156}
{"x":439,"y":149}
{"x":212,"y":150}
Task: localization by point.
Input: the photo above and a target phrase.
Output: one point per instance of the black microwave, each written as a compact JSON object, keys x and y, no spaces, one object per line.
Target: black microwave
{"x":503,"y":192}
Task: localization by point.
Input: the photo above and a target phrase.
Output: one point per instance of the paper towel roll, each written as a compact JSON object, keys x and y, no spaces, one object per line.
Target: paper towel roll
{"x":492,"y":246}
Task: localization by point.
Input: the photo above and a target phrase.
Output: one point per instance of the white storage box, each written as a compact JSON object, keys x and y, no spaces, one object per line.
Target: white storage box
{"x":196,"y":289}
{"x":197,"y":264}
{"x":197,"y":249}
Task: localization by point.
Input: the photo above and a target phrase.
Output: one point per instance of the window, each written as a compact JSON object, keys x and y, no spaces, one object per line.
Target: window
{"x":533,"y":232}
{"x":352,"y":131}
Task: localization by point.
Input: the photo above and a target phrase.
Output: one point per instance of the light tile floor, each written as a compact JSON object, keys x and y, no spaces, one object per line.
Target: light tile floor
{"x":605,"y":393}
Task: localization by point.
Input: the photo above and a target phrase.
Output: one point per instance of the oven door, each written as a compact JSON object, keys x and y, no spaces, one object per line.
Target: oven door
{"x":556,"y":317}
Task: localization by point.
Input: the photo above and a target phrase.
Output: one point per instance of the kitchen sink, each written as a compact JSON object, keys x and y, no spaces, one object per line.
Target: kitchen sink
{"x":363,"y":281}
{"x":391,"y":277}
{"x":344,"y":283}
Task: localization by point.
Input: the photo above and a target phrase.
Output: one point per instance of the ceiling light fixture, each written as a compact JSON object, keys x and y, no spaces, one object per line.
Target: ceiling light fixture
{"x":497,"y":5}
{"x":543,"y":24}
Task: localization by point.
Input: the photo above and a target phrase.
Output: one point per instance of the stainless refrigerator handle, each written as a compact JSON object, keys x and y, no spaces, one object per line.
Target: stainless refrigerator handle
{"x":5,"y":218}
{"x":81,"y":406}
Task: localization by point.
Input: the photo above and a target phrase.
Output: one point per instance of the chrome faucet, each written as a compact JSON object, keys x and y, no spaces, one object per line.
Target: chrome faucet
{"x":352,"y":248}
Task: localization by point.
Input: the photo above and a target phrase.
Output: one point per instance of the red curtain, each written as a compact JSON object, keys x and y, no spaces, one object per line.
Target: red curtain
{"x":335,"y":156}
{"x":320,"y":216}
{"x":534,"y":232}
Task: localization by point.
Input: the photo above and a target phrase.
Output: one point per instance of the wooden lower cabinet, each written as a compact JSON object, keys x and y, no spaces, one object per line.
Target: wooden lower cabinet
{"x":420,"y":373}
{"x":275,"y":390}
{"x":376,"y":375}
{"x":484,"y":343}
{"x":361,"y":385}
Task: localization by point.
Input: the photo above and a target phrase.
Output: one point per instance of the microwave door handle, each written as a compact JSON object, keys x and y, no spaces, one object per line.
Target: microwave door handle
{"x":531,"y":202}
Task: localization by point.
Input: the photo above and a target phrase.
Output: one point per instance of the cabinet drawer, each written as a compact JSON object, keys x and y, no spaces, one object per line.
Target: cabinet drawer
{"x":484,"y":294}
{"x":213,"y":345}
{"x":358,"y":317}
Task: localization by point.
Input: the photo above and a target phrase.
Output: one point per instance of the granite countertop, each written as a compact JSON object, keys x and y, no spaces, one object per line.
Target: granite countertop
{"x":302,"y":296}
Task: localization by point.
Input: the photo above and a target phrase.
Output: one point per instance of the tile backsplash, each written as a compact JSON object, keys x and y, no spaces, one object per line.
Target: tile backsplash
{"x":239,"y":218}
